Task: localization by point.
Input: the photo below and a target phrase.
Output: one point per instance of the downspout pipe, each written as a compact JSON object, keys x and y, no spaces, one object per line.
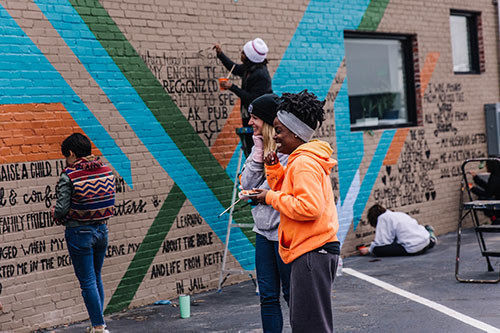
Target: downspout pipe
{"x":495,"y":3}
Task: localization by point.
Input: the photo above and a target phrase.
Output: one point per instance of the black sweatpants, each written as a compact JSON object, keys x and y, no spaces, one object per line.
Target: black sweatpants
{"x":395,"y":249}
{"x":311,"y":282}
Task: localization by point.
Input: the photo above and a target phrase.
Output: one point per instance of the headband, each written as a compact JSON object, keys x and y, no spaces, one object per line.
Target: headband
{"x":295,"y":125}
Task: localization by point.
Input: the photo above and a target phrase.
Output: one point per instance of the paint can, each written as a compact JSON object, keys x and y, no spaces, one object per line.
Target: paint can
{"x":220,"y":83}
{"x":339,"y":267}
{"x":185,"y":306}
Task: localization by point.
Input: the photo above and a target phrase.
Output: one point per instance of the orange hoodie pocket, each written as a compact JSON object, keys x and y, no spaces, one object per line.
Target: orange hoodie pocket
{"x":281,"y":242}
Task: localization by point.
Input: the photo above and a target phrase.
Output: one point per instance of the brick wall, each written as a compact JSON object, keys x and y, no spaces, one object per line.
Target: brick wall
{"x":139,"y":78}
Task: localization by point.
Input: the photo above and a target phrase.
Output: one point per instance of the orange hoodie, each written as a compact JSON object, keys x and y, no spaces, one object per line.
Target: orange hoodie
{"x":302,"y":193}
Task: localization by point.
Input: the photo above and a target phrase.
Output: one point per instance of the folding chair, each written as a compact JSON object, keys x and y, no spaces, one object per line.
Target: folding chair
{"x":470,"y":208}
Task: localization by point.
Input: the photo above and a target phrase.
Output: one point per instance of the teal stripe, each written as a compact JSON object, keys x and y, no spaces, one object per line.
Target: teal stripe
{"x":102,"y":68}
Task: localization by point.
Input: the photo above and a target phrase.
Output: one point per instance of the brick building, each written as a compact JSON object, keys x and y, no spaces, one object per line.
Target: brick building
{"x":405,"y":84}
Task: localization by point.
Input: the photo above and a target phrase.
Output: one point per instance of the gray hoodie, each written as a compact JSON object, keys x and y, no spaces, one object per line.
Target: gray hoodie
{"x":266,"y":218}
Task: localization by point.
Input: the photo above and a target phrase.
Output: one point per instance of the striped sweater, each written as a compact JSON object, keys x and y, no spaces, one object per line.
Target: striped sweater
{"x":93,"y":196}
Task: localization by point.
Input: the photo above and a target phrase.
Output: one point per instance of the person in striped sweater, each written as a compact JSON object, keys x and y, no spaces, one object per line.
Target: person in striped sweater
{"x":85,"y":202}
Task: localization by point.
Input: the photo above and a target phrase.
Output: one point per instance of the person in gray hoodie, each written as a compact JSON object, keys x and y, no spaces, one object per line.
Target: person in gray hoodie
{"x":272,"y":272}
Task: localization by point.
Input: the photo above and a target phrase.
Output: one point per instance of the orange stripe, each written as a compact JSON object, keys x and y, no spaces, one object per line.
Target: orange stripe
{"x":425,"y":75}
{"x":34,"y":132}
{"x":396,"y":146}
{"x":227,"y":140}
{"x":398,"y":141}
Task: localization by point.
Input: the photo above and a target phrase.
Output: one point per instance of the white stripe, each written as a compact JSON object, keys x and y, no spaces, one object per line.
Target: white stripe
{"x":346,"y":209}
{"x":433,"y":305}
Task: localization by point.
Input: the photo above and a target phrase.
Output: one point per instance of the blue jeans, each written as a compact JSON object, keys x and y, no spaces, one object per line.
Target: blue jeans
{"x":87,"y":248}
{"x":271,"y":273}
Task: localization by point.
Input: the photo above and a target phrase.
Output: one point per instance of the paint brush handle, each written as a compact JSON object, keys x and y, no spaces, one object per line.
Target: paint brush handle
{"x":228,"y":75}
{"x":228,"y":208}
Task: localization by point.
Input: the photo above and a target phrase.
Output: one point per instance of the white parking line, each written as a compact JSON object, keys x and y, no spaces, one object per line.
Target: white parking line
{"x":436,"y":306}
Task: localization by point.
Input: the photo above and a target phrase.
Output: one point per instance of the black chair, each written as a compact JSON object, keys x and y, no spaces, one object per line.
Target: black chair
{"x":471,"y":208}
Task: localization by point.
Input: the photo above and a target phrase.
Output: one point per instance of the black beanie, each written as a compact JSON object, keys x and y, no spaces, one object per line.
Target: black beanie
{"x":265,"y":107}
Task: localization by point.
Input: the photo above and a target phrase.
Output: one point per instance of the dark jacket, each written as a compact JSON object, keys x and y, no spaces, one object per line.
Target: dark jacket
{"x":488,"y":190}
{"x":256,"y":81}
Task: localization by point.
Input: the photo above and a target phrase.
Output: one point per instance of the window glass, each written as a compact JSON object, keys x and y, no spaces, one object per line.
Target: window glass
{"x":460,"y":43}
{"x":376,"y":81}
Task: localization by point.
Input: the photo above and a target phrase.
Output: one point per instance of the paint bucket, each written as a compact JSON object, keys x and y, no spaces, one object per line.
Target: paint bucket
{"x":185,"y":306}
{"x":222,"y":79}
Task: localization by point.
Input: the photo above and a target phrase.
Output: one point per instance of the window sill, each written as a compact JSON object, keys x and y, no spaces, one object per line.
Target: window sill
{"x":468,"y":73}
{"x":381,"y":126}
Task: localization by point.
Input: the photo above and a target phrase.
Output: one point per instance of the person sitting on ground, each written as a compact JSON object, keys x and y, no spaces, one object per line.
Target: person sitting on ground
{"x":489,"y":189}
{"x":397,"y":234}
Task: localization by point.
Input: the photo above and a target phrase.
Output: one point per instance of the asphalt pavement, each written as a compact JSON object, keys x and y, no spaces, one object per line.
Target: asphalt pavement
{"x":398,"y":294}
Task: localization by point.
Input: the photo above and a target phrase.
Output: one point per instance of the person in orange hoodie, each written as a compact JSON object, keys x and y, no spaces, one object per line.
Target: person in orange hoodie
{"x":302,"y":193}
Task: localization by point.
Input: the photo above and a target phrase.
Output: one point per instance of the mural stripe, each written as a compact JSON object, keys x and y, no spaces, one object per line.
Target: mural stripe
{"x":350,"y":145}
{"x":227,"y":141}
{"x":27,"y":132}
{"x":30,"y":78}
{"x":178,"y":165}
{"x":371,"y":175}
{"x":346,"y":209}
{"x":144,"y":256}
{"x":426,"y":73}
{"x":373,"y":15}
{"x":156,"y":99}
{"x":172,"y":120}
{"x":320,"y":30}
{"x":396,"y":146}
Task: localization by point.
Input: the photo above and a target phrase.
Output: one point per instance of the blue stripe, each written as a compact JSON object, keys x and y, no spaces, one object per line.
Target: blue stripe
{"x":317,"y":47}
{"x":311,"y":60}
{"x":372,"y":174}
{"x":93,"y":206}
{"x":350,"y":145}
{"x":100,"y":66}
{"x":26,"y":76}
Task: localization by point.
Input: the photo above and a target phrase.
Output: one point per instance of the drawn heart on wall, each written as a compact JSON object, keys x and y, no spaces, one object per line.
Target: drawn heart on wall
{"x":388,"y":169}
{"x":433,"y":195}
{"x":428,"y":153}
{"x":427,"y":196}
{"x":384,"y":180}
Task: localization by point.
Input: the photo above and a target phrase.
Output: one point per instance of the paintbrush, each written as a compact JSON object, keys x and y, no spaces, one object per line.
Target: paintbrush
{"x":228,"y":208}
{"x":230,"y":71}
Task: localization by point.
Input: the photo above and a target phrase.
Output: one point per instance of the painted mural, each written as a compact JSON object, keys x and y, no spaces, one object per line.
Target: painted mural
{"x":168,"y":131}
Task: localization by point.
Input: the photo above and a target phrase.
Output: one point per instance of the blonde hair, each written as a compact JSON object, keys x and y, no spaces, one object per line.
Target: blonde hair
{"x":267,"y":134}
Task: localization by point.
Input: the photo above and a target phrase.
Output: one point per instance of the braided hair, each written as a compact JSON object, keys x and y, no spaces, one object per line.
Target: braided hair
{"x":306,"y":106}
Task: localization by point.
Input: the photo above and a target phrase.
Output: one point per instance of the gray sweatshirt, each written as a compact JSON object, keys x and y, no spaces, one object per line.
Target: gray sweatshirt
{"x":266,"y":218}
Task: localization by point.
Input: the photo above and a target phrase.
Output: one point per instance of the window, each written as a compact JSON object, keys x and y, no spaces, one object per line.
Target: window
{"x":380,"y":80}
{"x":464,"y":42}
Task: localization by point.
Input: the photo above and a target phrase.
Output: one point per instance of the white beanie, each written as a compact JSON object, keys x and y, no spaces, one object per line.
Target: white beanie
{"x":256,"y":50}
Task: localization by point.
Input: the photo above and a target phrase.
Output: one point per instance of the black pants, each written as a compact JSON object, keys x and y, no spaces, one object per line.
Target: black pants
{"x":311,"y":282}
{"x":396,"y":249}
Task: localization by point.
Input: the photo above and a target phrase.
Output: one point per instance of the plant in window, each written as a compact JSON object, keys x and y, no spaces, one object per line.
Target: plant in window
{"x":377,"y":105}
